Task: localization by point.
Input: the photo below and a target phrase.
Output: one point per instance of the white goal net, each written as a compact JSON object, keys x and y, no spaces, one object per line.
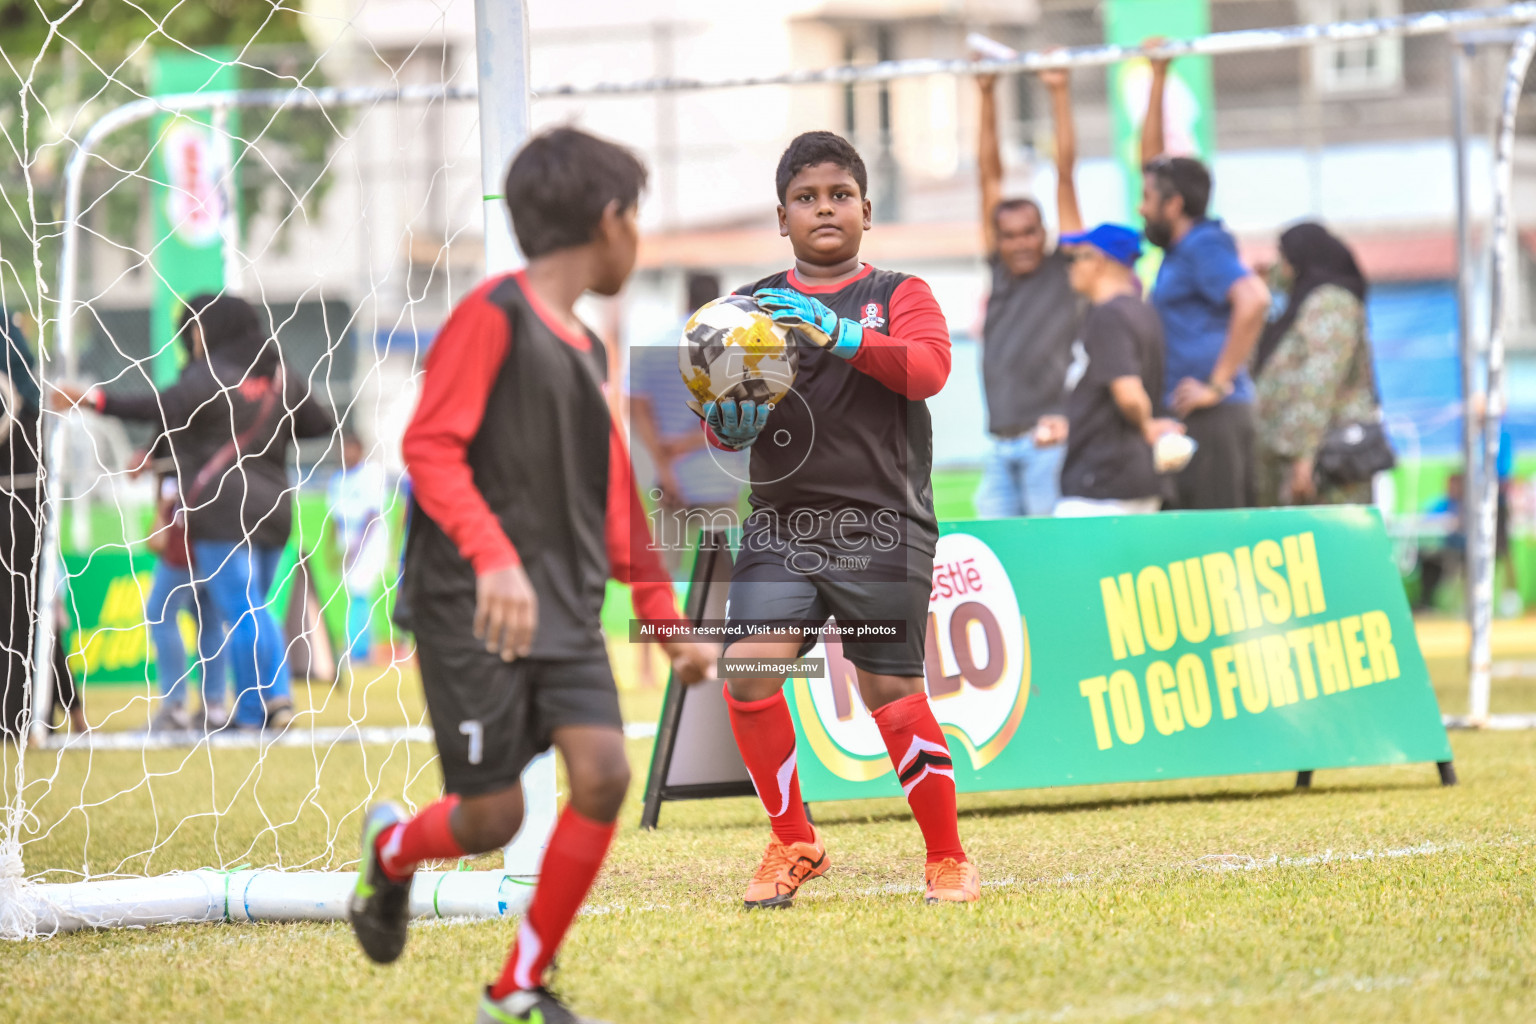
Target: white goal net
{"x":161,"y":156}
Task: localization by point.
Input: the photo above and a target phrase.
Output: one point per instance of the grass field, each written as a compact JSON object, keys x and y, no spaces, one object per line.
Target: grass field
{"x":1377,"y":896}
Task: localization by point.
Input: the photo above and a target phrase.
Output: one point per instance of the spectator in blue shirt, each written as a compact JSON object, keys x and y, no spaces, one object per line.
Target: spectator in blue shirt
{"x":1213,"y":309}
{"x":696,"y":486}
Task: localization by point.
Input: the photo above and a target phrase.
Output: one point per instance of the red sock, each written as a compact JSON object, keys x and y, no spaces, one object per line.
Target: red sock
{"x":917,"y":748}
{"x":425,"y":837}
{"x":575,"y":852}
{"x":765,"y":735}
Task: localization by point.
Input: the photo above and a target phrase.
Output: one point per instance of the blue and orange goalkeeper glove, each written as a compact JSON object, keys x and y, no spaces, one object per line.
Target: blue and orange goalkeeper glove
{"x":811,"y":317}
{"x":736,"y":428}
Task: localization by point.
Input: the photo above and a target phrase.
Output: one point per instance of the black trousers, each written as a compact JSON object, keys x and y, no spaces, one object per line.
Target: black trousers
{"x":1221,"y":474}
{"x":18,"y":599}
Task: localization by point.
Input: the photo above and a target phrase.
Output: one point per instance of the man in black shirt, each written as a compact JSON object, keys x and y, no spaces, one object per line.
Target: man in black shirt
{"x":1118,"y":365}
{"x":1032,"y":317}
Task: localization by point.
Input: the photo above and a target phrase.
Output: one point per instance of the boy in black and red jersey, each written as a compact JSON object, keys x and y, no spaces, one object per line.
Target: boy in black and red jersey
{"x":842,"y":522}
{"x":524,"y":505}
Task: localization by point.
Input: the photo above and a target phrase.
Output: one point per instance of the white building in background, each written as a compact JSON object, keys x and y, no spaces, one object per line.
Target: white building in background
{"x":1360,"y":139}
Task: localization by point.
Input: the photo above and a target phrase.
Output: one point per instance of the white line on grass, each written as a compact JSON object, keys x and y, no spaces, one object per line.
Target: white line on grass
{"x":1242,"y":862}
{"x":293,"y":736}
{"x":1210,"y":862}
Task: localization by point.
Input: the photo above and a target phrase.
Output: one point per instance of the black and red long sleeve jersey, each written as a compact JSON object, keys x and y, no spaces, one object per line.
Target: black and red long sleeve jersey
{"x":854,"y":436}
{"x":514,"y":458}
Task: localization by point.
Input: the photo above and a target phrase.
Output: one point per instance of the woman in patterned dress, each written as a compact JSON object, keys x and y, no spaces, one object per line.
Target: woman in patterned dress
{"x":1312,"y":369}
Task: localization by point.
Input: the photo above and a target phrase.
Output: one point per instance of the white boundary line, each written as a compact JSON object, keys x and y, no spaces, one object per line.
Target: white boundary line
{"x":1215,"y":862}
{"x":293,"y":736}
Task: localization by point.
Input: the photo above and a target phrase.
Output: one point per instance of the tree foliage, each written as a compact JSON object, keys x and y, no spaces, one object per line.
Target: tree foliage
{"x":65,"y":64}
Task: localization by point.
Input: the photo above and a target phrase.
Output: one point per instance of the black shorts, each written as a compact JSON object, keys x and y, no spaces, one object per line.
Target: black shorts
{"x":763,"y":590}
{"x":492,"y":717}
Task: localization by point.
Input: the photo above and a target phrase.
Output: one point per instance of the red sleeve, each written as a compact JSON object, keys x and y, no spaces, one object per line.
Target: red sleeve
{"x":631,"y":559}
{"x":913,"y":360}
{"x":460,"y":370}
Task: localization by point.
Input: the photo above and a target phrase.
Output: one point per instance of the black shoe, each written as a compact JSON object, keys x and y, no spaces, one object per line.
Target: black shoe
{"x":379,"y":907}
{"x":527,"y":1006}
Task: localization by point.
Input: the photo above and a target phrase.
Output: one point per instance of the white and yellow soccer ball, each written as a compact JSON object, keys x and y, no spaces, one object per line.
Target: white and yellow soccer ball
{"x":731,"y":349}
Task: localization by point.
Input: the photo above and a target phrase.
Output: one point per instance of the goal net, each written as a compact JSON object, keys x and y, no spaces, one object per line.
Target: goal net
{"x":159,"y":155}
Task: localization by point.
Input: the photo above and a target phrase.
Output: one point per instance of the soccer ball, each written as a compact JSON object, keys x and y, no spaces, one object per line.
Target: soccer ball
{"x":731,"y":349}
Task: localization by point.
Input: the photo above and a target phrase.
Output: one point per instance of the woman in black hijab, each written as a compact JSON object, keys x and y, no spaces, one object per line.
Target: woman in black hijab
{"x":1312,"y":369}
{"x":231,"y":421}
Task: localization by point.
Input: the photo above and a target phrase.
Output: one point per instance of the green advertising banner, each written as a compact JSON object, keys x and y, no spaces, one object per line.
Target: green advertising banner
{"x":1189,"y":113}
{"x":108,"y":641}
{"x":193,"y":198}
{"x":1067,"y":651}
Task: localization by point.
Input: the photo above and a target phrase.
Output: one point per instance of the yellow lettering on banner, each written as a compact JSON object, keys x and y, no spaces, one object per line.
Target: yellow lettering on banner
{"x":1250,"y":678}
{"x":1194,"y":691}
{"x":1162,"y":694}
{"x":1354,"y":652}
{"x":1301,"y":643}
{"x":1276,"y":600}
{"x":1331,"y":670}
{"x":1277,"y":666}
{"x":1221,"y":580}
{"x":1189,"y":600}
{"x":1094,"y":689}
{"x":1378,"y":645}
{"x":1226,"y":681}
{"x":1125,"y":707}
{"x":1120,"y":616}
{"x":1246,"y":587}
{"x":1306,"y":579}
{"x":1156,"y":603}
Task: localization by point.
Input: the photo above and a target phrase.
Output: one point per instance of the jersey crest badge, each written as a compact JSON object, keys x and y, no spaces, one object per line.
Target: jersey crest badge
{"x":872,"y":318}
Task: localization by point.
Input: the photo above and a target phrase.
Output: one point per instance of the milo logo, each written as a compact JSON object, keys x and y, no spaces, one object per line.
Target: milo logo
{"x":976,"y":667}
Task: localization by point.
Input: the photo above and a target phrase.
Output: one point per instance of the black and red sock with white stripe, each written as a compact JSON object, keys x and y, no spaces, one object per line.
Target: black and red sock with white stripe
{"x":926,"y":771}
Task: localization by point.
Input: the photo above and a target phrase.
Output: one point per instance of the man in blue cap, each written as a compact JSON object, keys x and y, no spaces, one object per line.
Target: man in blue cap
{"x":1111,"y":424}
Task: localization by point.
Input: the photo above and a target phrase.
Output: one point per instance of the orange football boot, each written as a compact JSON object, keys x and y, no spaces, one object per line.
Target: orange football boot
{"x":952,"y":881}
{"x":785,"y":867}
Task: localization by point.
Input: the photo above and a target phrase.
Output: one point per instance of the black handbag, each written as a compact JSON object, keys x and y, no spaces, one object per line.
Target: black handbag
{"x":1353,"y":453}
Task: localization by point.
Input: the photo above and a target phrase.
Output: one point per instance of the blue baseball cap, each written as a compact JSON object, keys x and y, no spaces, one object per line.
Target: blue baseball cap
{"x":1116,"y":241}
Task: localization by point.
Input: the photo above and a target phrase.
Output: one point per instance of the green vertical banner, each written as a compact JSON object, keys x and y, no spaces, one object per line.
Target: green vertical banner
{"x":192,"y":198}
{"x":1069,"y":651}
{"x":1189,"y":113}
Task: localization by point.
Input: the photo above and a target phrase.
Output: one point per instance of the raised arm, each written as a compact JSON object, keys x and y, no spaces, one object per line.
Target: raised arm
{"x":1152,"y":145}
{"x":1059,"y":82}
{"x":989,"y":160}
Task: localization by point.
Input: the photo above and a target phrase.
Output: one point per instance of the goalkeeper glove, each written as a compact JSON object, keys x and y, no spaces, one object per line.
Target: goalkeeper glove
{"x":736,"y":428}
{"x":811,"y":317}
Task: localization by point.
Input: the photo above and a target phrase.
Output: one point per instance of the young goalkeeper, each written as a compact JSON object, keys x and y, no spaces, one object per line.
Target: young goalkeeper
{"x":524,"y":503}
{"x":842,"y":522}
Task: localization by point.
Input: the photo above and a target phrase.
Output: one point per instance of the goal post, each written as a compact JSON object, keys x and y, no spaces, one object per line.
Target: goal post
{"x":36,"y":905}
